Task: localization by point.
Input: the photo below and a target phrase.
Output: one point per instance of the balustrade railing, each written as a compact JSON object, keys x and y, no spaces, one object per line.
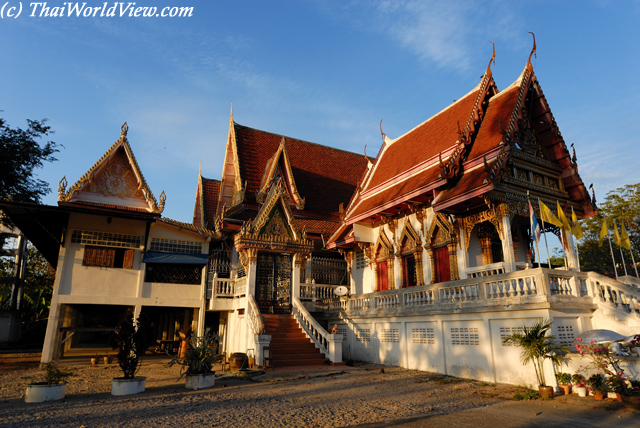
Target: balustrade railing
{"x":610,"y":294}
{"x":499,"y":289}
{"x":255,"y":319}
{"x":315,"y":292}
{"x":329,"y":344}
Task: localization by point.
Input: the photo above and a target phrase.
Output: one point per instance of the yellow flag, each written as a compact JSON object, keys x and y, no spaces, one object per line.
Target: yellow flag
{"x":547,"y":215}
{"x":625,"y":241}
{"x":576,"y":229}
{"x":603,"y":232}
{"x":563,"y":218}
{"x":616,"y":236}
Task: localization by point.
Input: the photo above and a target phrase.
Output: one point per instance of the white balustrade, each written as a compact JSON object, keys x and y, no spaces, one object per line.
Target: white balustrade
{"x":499,"y":289}
{"x":329,"y":344}
{"x":255,"y":319}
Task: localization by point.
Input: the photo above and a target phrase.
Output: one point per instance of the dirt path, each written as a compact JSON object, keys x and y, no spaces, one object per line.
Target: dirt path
{"x":342,"y":396}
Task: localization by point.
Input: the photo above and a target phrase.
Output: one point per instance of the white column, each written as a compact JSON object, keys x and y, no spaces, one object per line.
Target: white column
{"x":295,"y":279}
{"x":462,"y":255}
{"x":335,"y":347}
{"x":507,"y":245}
{"x":49,"y":347}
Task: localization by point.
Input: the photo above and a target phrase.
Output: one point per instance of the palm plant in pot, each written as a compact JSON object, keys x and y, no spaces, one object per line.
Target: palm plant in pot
{"x":197,"y":360}
{"x":536,"y":346}
{"x":131,"y":340}
{"x":51,"y":388}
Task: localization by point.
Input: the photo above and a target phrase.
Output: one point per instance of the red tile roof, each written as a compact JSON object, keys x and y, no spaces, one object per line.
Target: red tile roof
{"x":324,"y":176}
{"x":211,"y":191}
{"x":433,"y":136}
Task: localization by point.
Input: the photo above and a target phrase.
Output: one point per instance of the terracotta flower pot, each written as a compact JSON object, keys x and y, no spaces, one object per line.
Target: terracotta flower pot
{"x":545,"y":392}
{"x":566,"y":389}
{"x":598,"y":395}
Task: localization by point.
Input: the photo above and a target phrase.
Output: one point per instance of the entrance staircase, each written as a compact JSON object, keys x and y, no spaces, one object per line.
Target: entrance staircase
{"x":289,"y":345}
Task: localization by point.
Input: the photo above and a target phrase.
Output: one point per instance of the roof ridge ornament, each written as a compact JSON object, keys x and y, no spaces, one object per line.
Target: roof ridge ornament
{"x":493,"y":57}
{"x":124,"y":129}
{"x":533,"y":51}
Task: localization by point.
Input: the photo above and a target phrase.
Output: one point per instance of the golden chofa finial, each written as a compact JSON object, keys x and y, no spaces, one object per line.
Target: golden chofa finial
{"x":533,"y":51}
{"x":124,"y":129}
{"x":493,"y":56}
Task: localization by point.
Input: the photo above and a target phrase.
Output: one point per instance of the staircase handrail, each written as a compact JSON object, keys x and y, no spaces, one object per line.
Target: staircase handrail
{"x":315,"y":331}
{"x":255,"y":318}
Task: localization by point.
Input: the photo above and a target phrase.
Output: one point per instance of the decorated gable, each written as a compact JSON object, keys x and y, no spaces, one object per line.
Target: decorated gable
{"x":114,"y":181}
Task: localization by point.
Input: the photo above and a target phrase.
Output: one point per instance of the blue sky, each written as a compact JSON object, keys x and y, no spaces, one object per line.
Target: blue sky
{"x":322,"y":71}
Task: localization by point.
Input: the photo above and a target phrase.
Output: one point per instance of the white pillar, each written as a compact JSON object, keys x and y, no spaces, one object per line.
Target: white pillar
{"x":335,"y":347}
{"x":462,"y":255}
{"x":295,"y":279}
{"x":507,"y":245}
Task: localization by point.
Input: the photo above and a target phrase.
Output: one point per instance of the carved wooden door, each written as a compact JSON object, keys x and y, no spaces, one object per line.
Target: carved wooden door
{"x":273,"y":283}
{"x":441,"y":263}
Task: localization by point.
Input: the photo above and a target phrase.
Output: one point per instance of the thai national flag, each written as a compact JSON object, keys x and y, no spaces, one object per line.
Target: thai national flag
{"x":535,"y":225}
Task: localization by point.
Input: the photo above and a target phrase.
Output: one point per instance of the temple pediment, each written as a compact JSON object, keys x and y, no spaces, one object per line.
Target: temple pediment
{"x":115,"y":181}
{"x":274,"y":227}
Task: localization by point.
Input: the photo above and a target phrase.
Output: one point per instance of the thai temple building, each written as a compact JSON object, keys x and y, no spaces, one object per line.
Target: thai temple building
{"x":301,"y":253}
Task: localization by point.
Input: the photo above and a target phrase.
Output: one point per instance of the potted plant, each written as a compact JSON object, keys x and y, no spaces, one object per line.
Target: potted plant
{"x":197,"y":360}
{"x":251,"y":357}
{"x":597,"y":385}
{"x":615,"y":386}
{"x":131,"y":340}
{"x":52,"y":388}
{"x":579,"y":384}
{"x":564,"y":381}
{"x":536,"y":346}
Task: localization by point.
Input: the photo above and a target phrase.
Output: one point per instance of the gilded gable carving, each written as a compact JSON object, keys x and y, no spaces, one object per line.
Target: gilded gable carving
{"x":274,"y":227}
{"x":117,"y":179}
{"x":490,"y":215}
{"x":116,"y":174}
{"x":409,"y":240}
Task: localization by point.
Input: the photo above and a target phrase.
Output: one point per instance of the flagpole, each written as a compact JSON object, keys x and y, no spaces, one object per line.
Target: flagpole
{"x":612,"y":258}
{"x":615,"y":228}
{"x":533,"y":232}
{"x":566,"y":265}
{"x":633,"y":259}
{"x":546,"y":244}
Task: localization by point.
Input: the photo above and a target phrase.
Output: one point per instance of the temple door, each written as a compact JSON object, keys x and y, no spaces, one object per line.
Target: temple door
{"x":409,"y":271}
{"x":441,"y":263}
{"x":383,"y":277}
{"x":273,"y":283}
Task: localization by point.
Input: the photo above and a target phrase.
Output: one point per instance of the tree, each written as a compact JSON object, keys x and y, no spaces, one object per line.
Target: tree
{"x":21,"y":154}
{"x":623,"y":205}
{"x":36,"y":300}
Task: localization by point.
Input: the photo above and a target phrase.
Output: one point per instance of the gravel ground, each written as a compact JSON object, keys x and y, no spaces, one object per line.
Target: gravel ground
{"x":335,"y":396}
